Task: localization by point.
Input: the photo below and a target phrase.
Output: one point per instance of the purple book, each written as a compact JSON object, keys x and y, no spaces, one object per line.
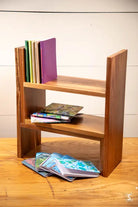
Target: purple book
{"x":48,"y":60}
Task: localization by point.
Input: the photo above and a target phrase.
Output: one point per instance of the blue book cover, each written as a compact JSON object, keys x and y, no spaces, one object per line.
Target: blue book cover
{"x":51,"y":166}
{"x":39,"y":158}
{"x":30,"y":163}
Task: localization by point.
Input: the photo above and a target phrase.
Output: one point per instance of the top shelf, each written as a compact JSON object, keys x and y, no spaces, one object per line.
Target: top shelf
{"x":72,"y":85}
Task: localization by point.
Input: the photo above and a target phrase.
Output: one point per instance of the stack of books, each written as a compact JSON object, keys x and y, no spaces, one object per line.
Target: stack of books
{"x":63,"y":166}
{"x":56,"y":113}
{"x":40,"y":58}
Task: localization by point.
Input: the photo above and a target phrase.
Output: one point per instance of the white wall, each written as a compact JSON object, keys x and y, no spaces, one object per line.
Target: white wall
{"x":86,"y":31}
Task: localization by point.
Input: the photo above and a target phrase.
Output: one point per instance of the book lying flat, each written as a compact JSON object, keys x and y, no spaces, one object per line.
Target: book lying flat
{"x":59,"y":111}
{"x":77,"y":168}
{"x":35,"y":119}
{"x":70,"y":166}
{"x":50,"y":165}
{"x":30,"y":163}
{"x":39,"y":158}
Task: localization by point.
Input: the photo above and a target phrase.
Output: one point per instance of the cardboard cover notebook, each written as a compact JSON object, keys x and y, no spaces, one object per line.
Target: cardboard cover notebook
{"x":48,"y":60}
{"x":27,"y":66}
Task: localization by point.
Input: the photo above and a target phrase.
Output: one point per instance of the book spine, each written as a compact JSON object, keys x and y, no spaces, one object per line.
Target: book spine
{"x":27,"y":69}
{"x":37,"y":61}
{"x":54,"y":116}
{"x":30,"y":61}
{"x":33,"y":62}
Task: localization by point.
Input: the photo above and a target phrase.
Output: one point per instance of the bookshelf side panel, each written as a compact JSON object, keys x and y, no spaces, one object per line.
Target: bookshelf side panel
{"x":111,"y":146}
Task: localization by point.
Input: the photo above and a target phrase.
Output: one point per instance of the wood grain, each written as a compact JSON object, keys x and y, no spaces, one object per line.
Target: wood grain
{"x":19,"y":186}
{"x":27,"y":101}
{"x":87,"y":126}
{"x":73,"y":85}
{"x":111,"y":146}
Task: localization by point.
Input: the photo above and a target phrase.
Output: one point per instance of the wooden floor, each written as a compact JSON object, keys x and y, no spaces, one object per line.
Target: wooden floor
{"x":19,"y":186}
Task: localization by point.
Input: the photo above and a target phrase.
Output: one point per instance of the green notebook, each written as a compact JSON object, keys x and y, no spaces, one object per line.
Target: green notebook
{"x":27,"y":68}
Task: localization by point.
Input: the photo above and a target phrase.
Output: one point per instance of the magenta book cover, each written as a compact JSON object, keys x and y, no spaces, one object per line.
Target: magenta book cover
{"x":48,"y":60}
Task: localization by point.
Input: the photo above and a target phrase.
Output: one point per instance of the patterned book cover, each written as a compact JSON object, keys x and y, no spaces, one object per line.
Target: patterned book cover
{"x":77,"y":168}
{"x":51,"y":166}
{"x":70,"y":167}
{"x":39,"y":158}
{"x":30,"y":163}
{"x":74,"y":164}
{"x":35,"y":119}
{"x":62,"y":109}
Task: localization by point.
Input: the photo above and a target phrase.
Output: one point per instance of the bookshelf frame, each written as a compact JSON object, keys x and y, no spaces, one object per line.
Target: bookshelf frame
{"x":30,"y":97}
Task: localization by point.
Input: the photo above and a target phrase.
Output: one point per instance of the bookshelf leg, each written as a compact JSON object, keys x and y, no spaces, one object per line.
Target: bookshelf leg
{"x":27,"y":139}
{"x":111,"y":156}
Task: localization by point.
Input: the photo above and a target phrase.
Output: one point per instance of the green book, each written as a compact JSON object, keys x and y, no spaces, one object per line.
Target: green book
{"x":27,"y":68}
{"x":30,"y":61}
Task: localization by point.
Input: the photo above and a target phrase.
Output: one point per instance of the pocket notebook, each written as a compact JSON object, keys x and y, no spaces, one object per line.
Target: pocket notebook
{"x":52,"y":167}
{"x":30,"y":163}
{"x":77,"y":168}
{"x":39,"y":158}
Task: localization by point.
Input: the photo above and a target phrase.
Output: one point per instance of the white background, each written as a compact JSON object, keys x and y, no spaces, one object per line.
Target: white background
{"x":86,"y":31}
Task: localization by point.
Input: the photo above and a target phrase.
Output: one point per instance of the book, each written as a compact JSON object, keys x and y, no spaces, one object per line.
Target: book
{"x":33,"y":61}
{"x":76,"y":168}
{"x":59,"y":111}
{"x":69,"y":166}
{"x":27,"y":67}
{"x":37,"y":61}
{"x":48,"y":60}
{"x":30,"y":163}
{"x":30,"y":61}
{"x":39,"y":158}
{"x":63,"y":166}
{"x":35,"y":119}
{"x":50,"y":165}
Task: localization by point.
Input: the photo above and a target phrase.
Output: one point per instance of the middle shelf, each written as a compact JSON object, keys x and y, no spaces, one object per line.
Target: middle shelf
{"x":73,"y":85}
{"x":86,"y":126}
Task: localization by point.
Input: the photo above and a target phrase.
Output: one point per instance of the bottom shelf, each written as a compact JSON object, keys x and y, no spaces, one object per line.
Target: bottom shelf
{"x":86,"y":126}
{"x":78,"y":148}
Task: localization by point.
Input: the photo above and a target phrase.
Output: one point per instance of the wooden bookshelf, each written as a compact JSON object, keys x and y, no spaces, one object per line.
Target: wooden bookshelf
{"x":108,"y":130}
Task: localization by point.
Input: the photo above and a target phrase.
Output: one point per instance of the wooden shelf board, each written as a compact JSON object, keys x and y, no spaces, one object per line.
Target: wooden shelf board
{"x":72,"y":85}
{"x":86,"y":126}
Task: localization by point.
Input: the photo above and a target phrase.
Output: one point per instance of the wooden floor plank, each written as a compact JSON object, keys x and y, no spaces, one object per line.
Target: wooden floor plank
{"x":19,"y":186}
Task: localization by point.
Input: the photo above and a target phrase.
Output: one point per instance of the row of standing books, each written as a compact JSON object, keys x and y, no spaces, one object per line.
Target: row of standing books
{"x":56,"y":113}
{"x":63,"y":166}
{"x":40,"y":61}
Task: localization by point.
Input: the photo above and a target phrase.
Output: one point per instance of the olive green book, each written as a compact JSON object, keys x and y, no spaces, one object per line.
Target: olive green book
{"x":27,"y":66}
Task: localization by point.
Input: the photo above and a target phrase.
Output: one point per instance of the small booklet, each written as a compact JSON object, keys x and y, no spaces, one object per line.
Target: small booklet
{"x":40,"y":157}
{"x":35,"y":119}
{"x":58,"y":111}
{"x":64,"y":166}
{"x":30,"y":163}
{"x":77,"y":168}
{"x":51,"y":166}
